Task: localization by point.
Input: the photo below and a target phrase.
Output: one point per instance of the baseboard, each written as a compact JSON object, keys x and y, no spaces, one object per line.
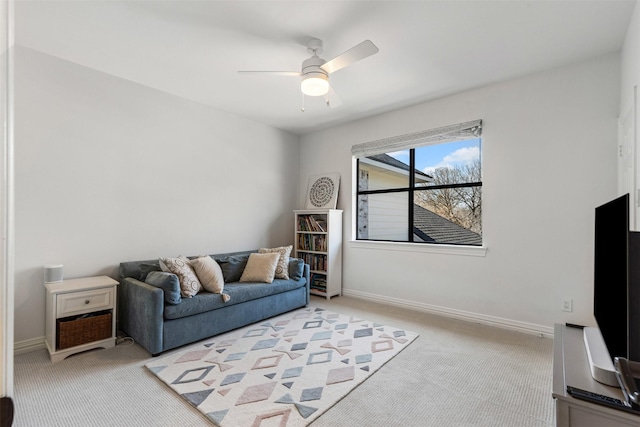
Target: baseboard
{"x":529,"y":328}
{"x":35,"y":344}
{"x":28,"y":346}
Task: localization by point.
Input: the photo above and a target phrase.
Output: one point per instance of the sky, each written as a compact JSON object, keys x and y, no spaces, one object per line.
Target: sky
{"x":435,"y":156}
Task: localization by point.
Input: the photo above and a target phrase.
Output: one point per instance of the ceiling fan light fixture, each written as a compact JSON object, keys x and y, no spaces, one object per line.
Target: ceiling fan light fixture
{"x":315,"y":84}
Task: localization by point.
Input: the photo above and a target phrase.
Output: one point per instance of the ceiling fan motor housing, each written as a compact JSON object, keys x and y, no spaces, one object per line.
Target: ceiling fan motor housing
{"x":312,"y":65}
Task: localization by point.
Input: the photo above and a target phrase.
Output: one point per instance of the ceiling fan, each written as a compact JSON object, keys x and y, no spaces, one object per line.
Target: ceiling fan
{"x":315,"y":70}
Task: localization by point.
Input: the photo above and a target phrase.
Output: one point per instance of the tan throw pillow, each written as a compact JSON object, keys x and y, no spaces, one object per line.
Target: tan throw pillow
{"x":260,"y":268}
{"x":189,"y":283}
{"x":282,"y":269}
{"x":209,"y":273}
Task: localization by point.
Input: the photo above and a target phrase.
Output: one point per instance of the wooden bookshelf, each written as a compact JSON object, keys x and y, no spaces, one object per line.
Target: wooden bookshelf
{"x":318,"y":241}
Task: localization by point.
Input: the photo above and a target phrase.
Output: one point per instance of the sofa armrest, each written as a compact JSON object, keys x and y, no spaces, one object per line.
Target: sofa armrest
{"x":141,"y":313}
{"x":306,"y":273}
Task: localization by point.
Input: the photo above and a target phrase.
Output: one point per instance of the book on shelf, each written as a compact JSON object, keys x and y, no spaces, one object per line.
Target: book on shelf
{"x":320,"y":224}
{"x":308,"y":242}
{"x":318,"y":282}
{"x":316,"y":261}
{"x":311,"y":223}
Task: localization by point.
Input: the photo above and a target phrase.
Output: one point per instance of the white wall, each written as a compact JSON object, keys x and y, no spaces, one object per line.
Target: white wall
{"x":630,"y":78}
{"x":630,"y":60}
{"x":108,"y":170}
{"x":549,"y":158}
{"x":6,"y":201}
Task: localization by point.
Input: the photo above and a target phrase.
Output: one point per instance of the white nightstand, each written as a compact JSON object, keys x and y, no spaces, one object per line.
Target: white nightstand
{"x":81,"y":315}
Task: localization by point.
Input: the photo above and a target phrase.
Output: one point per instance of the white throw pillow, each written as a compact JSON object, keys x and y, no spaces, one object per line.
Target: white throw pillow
{"x":209,"y":273}
{"x":282,"y":269}
{"x":260,"y":268}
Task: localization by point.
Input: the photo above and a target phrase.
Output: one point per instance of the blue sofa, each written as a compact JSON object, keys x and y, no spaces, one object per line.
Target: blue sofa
{"x":159,"y":326}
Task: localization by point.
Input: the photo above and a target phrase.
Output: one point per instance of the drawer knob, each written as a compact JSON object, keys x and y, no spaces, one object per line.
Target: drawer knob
{"x":87,"y":302}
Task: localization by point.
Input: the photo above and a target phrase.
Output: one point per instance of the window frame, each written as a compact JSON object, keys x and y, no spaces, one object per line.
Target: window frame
{"x":453,"y":133}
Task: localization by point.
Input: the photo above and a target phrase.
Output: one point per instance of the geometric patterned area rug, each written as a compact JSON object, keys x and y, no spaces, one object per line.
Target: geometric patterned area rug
{"x":284,"y":371}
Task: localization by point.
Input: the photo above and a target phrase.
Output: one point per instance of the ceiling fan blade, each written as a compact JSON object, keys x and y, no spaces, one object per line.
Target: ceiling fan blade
{"x":275,"y":73}
{"x":356,"y":53}
{"x":332,"y":99}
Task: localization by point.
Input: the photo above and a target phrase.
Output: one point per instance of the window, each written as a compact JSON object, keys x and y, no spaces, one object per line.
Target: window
{"x":424,"y":187}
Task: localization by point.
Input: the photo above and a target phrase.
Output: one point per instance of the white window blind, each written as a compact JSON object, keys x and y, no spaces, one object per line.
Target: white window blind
{"x":458,"y":132}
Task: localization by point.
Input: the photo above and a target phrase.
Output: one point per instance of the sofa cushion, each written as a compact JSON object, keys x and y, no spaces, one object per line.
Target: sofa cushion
{"x":189,"y":283}
{"x":239,"y":293}
{"x":168,"y":282}
{"x":282,"y":269}
{"x":260,"y":268}
{"x":209,"y":273}
{"x":138,"y":269}
{"x":232,"y":267}
{"x":296,"y":268}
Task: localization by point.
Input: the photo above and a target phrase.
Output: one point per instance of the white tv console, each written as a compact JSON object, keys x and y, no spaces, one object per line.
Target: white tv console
{"x":571,"y":368}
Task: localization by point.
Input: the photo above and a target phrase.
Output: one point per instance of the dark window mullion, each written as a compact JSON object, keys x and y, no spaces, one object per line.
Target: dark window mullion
{"x":412,"y":184}
{"x":430,"y":187}
{"x":357,"y":198}
{"x":459,"y":185}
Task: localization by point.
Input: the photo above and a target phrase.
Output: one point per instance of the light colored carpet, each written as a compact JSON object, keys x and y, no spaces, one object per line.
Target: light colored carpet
{"x":284,"y":371}
{"x":456,"y":374}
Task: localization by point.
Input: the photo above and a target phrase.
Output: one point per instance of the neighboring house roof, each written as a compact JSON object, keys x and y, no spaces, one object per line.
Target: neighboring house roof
{"x":388,"y":160}
{"x":432,"y":228}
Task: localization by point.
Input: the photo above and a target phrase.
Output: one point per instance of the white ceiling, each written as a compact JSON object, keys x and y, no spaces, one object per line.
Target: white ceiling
{"x":428,"y":49}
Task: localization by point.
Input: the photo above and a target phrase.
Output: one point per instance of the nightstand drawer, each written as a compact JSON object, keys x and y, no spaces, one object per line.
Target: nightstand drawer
{"x":84,"y":302}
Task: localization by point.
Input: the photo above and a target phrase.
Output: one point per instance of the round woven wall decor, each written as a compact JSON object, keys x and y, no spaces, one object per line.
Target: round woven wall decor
{"x":321,"y":191}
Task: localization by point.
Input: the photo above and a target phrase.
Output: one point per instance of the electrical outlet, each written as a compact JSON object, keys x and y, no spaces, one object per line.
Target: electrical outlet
{"x":567,"y":305}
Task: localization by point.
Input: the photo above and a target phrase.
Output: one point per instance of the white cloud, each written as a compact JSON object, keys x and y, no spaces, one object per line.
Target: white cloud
{"x":459,"y":157}
{"x":463,"y":155}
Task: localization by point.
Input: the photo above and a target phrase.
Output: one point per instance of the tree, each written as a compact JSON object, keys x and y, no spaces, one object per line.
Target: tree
{"x":462,"y":205}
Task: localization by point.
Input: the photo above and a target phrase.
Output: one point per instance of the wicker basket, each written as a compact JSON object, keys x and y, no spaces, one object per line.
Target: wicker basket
{"x":78,"y":331}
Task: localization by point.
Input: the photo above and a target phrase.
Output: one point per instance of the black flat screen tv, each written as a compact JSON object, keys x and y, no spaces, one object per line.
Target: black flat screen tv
{"x":616,"y":302}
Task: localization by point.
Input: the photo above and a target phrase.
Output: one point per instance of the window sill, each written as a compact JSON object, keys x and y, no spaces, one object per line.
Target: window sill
{"x":479,"y":251}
